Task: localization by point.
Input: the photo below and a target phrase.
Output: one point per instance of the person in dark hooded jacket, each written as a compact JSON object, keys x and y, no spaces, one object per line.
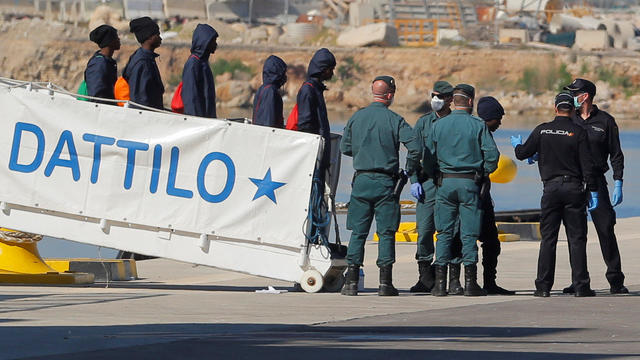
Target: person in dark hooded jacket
{"x":312,"y":110}
{"x":267,"y":104}
{"x":102,"y":70}
{"x":141,"y":72}
{"x":198,"y":87}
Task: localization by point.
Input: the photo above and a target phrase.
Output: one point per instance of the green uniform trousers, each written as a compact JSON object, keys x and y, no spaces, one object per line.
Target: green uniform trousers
{"x":426,"y":226}
{"x":457,"y":198}
{"x":372,"y":195}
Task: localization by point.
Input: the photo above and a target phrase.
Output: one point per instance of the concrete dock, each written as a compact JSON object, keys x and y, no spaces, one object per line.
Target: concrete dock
{"x":178,"y":311}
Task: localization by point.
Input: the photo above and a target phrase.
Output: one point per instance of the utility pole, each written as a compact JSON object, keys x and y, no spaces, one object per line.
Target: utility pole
{"x":286,"y":11}
{"x":496,"y":28}
{"x":250,"y":12}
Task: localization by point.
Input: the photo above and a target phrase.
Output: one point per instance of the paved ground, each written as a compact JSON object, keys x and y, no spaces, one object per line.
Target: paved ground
{"x":181,"y":311}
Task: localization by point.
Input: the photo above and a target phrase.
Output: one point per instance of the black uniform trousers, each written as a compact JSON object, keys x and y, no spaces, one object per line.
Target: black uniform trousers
{"x":604,"y":219}
{"x":489,"y":239}
{"x":563,"y":201}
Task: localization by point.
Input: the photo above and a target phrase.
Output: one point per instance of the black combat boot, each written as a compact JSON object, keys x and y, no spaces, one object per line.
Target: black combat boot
{"x":440,"y":286}
{"x":455,"y":288}
{"x":350,"y":287}
{"x":386,"y":287}
{"x":425,"y":279}
{"x":471,"y":287}
{"x":492,"y":288}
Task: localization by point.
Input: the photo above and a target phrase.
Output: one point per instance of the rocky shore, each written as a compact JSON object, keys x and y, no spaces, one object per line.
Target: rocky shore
{"x":525,"y":81}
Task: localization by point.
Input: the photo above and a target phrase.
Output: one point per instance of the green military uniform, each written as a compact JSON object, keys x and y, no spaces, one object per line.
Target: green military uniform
{"x":425,"y":175}
{"x":372,"y":137}
{"x":463,"y":146}
{"x":425,"y":207}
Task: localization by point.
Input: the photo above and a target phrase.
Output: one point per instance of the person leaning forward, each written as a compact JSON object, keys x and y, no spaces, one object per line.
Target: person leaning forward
{"x":372,"y":137}
{"x":465,"y":153}
{"x":604,"y":143}
{"x":490,"y":110}
{"x":564,"y":163}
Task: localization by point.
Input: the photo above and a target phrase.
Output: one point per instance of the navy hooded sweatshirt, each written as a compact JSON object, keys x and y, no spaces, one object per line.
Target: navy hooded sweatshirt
{"x":312,"y":110}
{"x":198,"y":87}
{"x":143,"y":76}
{"x":267,"y":104}
{"x":101,"y":75}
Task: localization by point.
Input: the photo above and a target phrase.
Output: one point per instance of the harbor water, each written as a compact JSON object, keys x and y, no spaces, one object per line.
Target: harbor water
{"x":523,"y":192}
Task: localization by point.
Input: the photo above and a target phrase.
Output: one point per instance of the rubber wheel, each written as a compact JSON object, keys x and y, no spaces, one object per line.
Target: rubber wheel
{"x":311,"y":281}
{"x":334,"y":283}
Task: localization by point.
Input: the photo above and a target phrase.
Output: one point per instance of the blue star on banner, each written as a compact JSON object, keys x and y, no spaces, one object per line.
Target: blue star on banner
{"x":266,"y":186}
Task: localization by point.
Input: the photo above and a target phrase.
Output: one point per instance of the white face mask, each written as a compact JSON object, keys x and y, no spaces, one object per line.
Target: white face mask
{"x":436,"y":103}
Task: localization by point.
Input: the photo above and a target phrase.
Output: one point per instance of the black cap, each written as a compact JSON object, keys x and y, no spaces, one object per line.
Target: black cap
{"x":144,"y":28}
{"x":466,"y":89}
{"x":564,"y":98}
{"x":489,"y":108}
{"x":582,"y":86}
{"x":388,"y":80}
{"x":103,"y":35}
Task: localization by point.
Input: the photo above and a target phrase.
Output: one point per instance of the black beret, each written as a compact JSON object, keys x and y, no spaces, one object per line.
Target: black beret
{"x":466,"y":89}
{"x":144,"y":28}
{"x":388,"y":80}
{"x":489,"y":108}
{"x":103,"y":35}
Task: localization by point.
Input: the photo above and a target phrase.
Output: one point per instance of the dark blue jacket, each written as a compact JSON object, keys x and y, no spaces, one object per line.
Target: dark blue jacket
{"x":143,"y":76}
{"x":312,"y":110}
{"x":101,"y":75}
{"x":198,"y":87}
{"x":267,"y":104}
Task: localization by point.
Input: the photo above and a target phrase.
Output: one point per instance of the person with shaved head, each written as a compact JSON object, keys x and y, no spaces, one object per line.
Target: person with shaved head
{"x":372,"y":137}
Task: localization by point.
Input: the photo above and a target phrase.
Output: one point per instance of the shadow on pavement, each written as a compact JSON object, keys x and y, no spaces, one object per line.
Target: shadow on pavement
{"x":272,"y":341}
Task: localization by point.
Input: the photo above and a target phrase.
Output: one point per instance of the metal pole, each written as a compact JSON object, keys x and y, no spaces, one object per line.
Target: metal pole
{"x":495,"y":22}
{"x":286,"y":11}
{"x":250,"y":11}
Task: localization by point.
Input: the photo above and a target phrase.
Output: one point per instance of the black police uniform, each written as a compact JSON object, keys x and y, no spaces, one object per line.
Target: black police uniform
{"x":489,"y":240}
{"x":565,"y":161}
{"x":604,"y":143}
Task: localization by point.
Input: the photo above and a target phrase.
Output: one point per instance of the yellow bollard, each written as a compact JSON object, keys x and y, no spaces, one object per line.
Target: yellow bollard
{"x":506,"y":171}
{"x":22,"y":258}
{"x":20,"y":262}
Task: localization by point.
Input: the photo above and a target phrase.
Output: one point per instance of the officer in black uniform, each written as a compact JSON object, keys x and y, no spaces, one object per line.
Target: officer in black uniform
{"x":604,"y":142}
{"x":564,"y":163}
{"x":491,"y":111}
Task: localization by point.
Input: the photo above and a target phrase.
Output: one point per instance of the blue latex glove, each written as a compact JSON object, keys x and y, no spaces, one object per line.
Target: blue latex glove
{"x":532,"y":160}
{"x":593,"y":201}
{"x":417,"y":191}
{"x":516,"y":140}
{"x":617,"y":193}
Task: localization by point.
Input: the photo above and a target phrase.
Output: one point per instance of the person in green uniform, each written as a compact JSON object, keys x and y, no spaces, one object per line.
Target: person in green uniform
{"x":372,"y":137}
{"x":423,"y":186}
{"x":465,"y":154}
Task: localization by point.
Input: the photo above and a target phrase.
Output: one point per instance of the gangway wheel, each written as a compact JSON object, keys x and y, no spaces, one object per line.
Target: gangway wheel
{"x":311,"y":281}
{"x":333,"y":282}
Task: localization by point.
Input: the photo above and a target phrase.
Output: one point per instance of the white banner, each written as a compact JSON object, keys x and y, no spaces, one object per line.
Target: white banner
{"x":205,"y":176}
